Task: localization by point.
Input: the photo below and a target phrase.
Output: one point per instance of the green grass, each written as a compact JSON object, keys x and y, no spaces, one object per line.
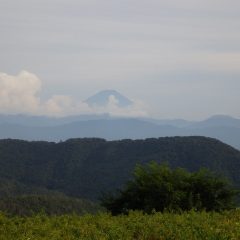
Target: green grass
{"x":186,"y":226}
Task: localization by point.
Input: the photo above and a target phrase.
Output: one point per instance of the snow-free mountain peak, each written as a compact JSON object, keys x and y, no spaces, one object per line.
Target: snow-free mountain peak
{"x":218,"y":121}
{"x":103,"y":98}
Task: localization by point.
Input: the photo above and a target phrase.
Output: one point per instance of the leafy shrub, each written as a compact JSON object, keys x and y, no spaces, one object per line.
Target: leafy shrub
{"x":156,"y":187}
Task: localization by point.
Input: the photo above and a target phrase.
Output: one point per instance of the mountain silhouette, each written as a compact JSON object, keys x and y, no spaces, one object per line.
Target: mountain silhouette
{"x":224,"y":128}
{"x":103,"y":98}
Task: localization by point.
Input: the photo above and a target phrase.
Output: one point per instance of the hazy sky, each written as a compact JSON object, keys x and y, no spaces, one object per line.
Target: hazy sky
{"x":177,"y":59}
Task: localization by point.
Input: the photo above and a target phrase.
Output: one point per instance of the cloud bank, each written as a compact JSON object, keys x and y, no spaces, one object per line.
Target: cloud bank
{"x":20,"y":95}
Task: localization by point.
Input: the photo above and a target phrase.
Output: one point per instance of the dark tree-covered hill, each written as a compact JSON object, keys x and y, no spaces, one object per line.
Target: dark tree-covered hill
{"x":86,"y":167}
{"x":53,"y":204}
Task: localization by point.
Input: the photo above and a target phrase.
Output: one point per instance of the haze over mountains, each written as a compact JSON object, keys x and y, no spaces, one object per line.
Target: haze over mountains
{"x":224,"y":128}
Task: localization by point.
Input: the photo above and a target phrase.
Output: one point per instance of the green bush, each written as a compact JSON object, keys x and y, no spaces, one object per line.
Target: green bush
{"x":157,"y":188}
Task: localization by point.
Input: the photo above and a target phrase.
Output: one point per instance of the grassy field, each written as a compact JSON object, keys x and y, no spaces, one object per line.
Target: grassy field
{"x":184,"y":226}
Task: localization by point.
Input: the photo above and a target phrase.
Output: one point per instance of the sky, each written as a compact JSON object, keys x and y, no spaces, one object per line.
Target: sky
{"x":173,"y":58}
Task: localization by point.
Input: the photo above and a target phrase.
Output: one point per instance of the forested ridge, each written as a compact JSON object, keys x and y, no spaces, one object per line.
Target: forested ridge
{"x":85,"y":168}
{"x":51,"y":204}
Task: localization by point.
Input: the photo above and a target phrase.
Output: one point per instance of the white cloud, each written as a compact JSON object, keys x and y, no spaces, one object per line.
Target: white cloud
{"x":19,"y":94}
{"x":136,"y":109}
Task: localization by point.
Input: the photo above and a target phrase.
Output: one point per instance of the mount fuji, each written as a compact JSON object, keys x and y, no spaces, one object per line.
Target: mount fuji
{"x":103,"y":98}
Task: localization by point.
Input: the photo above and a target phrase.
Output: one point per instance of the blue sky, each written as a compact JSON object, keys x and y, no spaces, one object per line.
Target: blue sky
{"x":177,"y":59}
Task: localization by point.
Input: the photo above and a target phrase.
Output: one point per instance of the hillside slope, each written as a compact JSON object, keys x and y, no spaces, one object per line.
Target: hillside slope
{"x":87,"y":167}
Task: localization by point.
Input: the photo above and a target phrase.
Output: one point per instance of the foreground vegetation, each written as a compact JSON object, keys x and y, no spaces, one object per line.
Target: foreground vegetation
{"x":136,"y":225}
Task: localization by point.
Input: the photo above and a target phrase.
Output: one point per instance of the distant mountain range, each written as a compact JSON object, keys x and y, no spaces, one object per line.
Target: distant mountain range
{"x":224,"y":128}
